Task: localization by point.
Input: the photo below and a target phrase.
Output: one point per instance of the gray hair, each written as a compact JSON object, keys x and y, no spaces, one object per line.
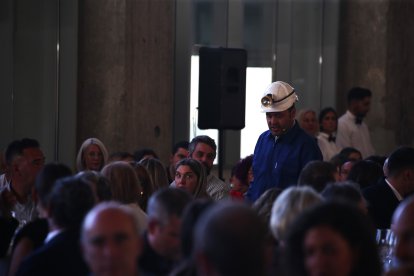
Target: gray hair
{"x":290,"y":203}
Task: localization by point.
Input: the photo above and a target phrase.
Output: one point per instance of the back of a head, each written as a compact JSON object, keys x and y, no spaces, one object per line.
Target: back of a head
{"x":109,"y":206}
{"x":46,"y":179}
{"x":16,"y":148}
{"x":201,"y":139}
{"x":167,"y":202}
{"x":349,"y":223}
{"x":347,"y":192}
{"x":358,"y":93}
{"x":178,"y":145}
{"x":192,"y":213}
{"x":365,"y":173}
{"x":231,"y":238}
{"x":123,"y":180}
{"x":317,"y":174}
{"x":263,"y":205}
{"x":144,"y":154}
{"x":99,"y":183}
{"x":120,"y":156}
{"x":156,"y":172}
{"x":70,"y":200}
{"x":400,"y":159}
{"x":349,"y":152}
{"x":288,"y":205}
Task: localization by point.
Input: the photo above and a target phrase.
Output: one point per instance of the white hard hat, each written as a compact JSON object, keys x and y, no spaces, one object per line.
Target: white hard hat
{"x":278,"y":97}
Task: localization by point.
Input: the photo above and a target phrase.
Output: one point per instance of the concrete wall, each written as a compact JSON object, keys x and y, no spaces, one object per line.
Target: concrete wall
{"x":125,"y":91}
{"x":376,"y":52}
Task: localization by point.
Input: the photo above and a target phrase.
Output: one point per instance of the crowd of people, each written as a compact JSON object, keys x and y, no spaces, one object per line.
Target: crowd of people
{"x":309,"y":201}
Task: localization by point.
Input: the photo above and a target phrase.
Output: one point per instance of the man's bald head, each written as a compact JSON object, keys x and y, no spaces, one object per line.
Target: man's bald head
{"x":110,"y":240}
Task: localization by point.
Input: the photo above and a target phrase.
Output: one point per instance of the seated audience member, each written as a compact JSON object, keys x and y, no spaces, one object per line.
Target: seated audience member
{"x":16,"y":199}
{"x":346,"y":192}
{"x":121,"y":156}
{"x":92,"y":155}
{"x":384,"y":197}
{"x":263,"y":205}
{"x":351,"y":154}
{"x":191,"y":177}
{"x":143,"y":154}
{"x":203,"y":149}
{"x":328,"y":123}
{"x":337,"y":160}
{"x":156,"y":172}
{"x":318,"y":174}
{"x":308,"y":122}
{"x":162,"y":245}
{"x":179,"y":152}
{"x":33,"y":234}
{"x":365,"y":173}
{"x":98,"y":183}
{"x":352,"y":130}
{"x":5,"y":170}
{"x":230,"y":239}
{"x":288,"y":205}
{"x":379,"y":159}
{"x":332,"y":239}
{"x":111,"y":243}
{"x":192,"y":213}
{"x":403,"y":228}
{"x":125,"y":187}
{"x":345,"y":169}
{"x":147,"y":188}
{"x":69,"y":202}
{"x":241,"y":176}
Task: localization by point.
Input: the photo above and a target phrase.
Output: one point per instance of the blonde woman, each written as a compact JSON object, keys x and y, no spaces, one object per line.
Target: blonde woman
{"x":125,"y":187}
{"x":92,"y":155}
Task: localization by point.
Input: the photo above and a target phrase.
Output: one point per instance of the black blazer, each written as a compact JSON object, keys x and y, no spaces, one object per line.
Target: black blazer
{"x":60,"y":256}
{"x":381,"y":204}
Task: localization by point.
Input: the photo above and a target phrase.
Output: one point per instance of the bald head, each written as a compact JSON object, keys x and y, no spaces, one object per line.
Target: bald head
{"x":110,"y":240}
{"x":403,"y":227}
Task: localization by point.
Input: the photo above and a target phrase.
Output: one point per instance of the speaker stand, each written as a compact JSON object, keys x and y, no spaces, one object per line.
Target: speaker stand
{"x":220,"y":153}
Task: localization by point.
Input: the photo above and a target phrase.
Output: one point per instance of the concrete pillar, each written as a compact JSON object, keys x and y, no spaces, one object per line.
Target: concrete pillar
{"x":376,"y":52}
{"x":125,"y":90}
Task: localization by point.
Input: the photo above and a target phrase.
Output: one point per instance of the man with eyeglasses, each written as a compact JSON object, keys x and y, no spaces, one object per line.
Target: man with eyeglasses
{"x":282,"y":151}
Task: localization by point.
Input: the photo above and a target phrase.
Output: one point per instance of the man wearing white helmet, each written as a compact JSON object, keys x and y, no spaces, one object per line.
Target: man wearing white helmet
{"x":282,"y":151}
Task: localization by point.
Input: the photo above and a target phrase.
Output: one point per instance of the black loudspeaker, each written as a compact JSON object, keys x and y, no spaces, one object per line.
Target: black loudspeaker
{"x":222,"y":88}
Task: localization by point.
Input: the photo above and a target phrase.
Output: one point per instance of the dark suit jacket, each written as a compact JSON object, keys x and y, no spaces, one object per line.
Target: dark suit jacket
{"x":60,"y":256}
{"x":381,"y":204}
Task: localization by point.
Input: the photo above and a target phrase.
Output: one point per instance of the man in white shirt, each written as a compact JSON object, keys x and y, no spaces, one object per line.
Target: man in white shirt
{"x":352,"y":131}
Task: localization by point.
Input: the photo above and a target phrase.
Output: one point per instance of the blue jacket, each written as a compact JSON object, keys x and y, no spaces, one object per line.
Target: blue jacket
{"x":278,"y":162}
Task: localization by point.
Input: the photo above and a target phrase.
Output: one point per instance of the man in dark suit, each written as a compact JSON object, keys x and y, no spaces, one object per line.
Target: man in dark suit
{"x":384,"y":197}
{"x":70,"y":200}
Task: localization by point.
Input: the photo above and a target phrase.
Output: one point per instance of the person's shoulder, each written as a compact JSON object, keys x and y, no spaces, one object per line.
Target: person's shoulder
{"x":376,"y":189}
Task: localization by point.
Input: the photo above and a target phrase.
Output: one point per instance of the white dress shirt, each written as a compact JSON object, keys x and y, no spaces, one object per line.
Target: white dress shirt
{"x":354,"y":135}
